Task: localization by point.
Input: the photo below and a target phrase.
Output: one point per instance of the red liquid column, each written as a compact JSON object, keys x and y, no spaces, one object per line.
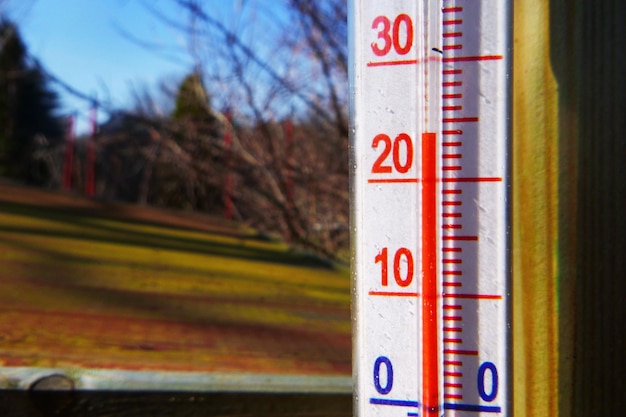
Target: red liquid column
{"x":430,"y":324}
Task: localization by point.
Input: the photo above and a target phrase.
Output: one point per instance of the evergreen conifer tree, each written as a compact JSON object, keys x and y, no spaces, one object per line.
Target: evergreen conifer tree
{"x":192,"y":100}
{"x":27,"y":106}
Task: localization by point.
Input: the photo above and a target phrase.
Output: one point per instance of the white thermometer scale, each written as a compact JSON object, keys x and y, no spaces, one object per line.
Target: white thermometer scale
{"x":430,"y":91}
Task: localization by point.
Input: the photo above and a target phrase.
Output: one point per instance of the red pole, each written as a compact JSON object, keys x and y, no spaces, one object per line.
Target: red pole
{"x":91,"y":154}
{"x":69,"y":153}
{"x":289,"y":142}
{"x":228,"y":180}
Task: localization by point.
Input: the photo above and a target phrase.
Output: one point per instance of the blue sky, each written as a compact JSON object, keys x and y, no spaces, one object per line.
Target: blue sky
{"x":83,"y":43}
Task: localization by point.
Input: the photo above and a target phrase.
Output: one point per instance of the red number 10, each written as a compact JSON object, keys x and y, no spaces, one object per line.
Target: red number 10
{"x":402,"y":279}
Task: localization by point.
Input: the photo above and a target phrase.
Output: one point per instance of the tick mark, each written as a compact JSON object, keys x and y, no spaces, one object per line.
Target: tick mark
{"x":437,"y":50}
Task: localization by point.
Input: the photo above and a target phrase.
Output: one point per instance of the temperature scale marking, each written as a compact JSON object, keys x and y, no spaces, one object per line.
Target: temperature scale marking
{"x":430,"y":207}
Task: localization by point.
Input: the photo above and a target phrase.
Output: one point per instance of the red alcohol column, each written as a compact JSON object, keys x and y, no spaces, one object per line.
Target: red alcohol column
{"x":430,"y":316}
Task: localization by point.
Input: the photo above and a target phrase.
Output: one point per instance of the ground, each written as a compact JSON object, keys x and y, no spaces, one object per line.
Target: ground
{"x":88,"y":284}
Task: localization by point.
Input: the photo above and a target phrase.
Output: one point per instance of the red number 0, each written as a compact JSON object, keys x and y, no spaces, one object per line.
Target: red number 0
{"x":402,"y":166}
{"x":390,"y":36}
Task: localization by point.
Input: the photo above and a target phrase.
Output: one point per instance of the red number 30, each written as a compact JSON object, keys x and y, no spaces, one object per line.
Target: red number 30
{"x":390,"y":36}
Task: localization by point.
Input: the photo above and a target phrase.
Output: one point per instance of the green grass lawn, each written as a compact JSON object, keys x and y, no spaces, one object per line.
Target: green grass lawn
{"x":93,"y":285}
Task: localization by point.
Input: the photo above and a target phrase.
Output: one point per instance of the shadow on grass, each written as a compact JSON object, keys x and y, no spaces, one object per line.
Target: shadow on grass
{"x":56,"y":258}
{"x":92,"y":230}
{"x":314,"y":344}
{"x":281,"y":338}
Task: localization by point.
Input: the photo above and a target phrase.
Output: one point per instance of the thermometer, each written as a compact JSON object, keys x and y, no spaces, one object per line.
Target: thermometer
{"x":430,"y":188}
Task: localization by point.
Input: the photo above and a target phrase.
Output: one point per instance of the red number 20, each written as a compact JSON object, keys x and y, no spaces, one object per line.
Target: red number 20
{"x":390,"y":36}
{"x":401,"y":166}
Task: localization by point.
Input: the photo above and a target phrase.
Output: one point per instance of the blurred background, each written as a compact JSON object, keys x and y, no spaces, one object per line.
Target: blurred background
{"x":174,"y":195}
{"x":234,"y":113}
{"x":236,"y":109}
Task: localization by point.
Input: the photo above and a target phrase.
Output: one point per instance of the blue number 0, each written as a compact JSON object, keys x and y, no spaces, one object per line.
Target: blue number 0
{"x":380,"y":388}
{"x":482,"y":369}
